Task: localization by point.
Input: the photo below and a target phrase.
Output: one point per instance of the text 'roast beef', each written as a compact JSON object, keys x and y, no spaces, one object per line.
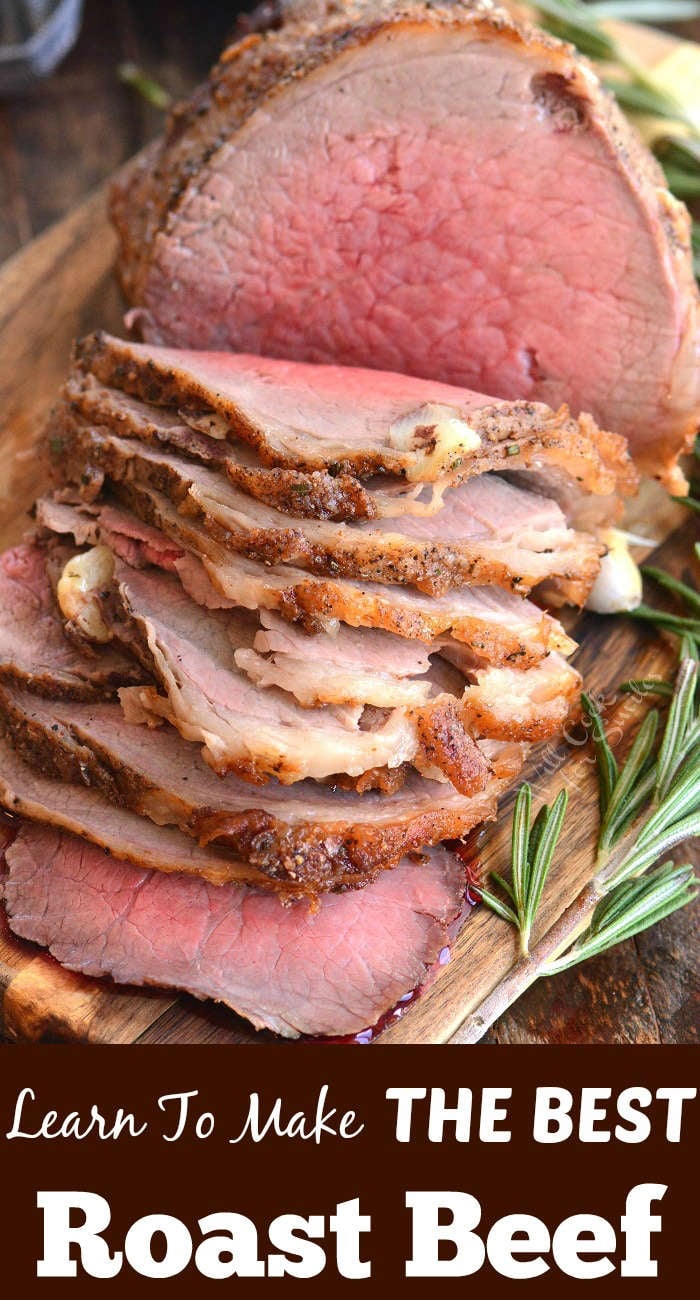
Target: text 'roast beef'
{"x":434,"y":189}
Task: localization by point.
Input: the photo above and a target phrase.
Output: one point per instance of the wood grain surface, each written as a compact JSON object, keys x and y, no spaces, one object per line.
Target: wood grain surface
{"x":54,"y":147}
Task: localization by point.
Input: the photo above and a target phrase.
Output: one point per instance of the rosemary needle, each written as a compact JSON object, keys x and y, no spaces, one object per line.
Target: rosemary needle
{"x":655,"y":793}
{"x":646,"y":686}
{"x":131,"y":75}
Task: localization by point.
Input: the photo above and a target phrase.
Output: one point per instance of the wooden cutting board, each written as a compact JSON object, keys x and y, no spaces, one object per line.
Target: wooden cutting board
{"x":59,"y":287}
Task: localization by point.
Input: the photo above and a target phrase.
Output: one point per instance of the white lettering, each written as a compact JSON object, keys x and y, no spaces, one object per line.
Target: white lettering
{"x":95,"y":1256}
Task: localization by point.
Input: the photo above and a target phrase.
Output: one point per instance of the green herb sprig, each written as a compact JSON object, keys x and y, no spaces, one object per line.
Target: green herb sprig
{"x":582,"y":25}
{"x":648,"y":806}
{"x":682,"y":625}
{"x":532,"y":850}
{"x":628,"y":910}
{"x":153,"y":93}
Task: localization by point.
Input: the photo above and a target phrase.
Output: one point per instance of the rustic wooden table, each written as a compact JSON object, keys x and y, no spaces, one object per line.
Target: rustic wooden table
{"x":62,"y":140}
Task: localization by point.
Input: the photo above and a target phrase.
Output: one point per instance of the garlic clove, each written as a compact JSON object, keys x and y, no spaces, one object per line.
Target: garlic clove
{"x":618,"y":586}
{"x":438,"y":438}
{"x":83,"y":578}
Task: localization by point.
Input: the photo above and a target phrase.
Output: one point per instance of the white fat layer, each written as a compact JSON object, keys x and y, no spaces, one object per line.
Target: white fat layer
{"x":618,"y":586}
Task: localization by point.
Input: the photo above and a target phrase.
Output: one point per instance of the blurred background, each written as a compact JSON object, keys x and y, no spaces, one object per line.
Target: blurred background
{"x":61,"y":135}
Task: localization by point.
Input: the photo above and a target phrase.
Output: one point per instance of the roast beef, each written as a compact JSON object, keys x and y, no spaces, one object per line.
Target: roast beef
{"x":335,"y":971}
{"x":434,"y":189}
{"x":335,"y":423}
{"x":488,"y":531}
{"x":352,"y":666}
{"x":264,"y":733}
{"x":372,"y":667}
{"x":497,"y":626}
{"x":309,"y":833}
{"x":33,"y":647}
{"x":26,"y":792}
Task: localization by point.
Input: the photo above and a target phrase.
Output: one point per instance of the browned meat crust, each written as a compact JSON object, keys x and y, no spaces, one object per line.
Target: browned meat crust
{"x":316,"y":855}
{"x":448,"y":746}
{"x":520,"y":435}
{"x":315,"y":494}
{"x":316,"y":602}
{"x":570,"y":562}
{"x":261,"y":65}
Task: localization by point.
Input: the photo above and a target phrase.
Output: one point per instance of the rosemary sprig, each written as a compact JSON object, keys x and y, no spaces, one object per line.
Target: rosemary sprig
{"x":579,"y":23}
{"x":687,"y":624}
{"x":131,"y":75}
{"x":666,"y":622}
{"x":532,"y":850}
{"x":648,"y":805}
{"x":680,"y":159}
{"x":628,"y":910}
{"x":687,"y":594}
{"x":642,"y":96}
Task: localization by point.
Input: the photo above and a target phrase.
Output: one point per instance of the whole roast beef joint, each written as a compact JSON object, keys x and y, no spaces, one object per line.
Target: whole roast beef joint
{"x":436,"y":189}
{"x":296,"y":604}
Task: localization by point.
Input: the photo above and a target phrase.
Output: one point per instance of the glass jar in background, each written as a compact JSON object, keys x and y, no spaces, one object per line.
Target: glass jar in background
{"x":34,"y":36}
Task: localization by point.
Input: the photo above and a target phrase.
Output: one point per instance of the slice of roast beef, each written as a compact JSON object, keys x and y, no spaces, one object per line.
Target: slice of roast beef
{"x":297,"y":492}
{"x":334,"y":971}
{"x":202,"y":663}
{"x":498,"y":627}
{"x":309,"y":833}
{"x":261,"y":734}
{"x":26,"y":792}
{"x":353,"y":666}
{"x":372,"y":668}
{"x":434,"y":189}
{"x":488,"y":531}
{"x":339,"y":420}
{"x":34,"y":649}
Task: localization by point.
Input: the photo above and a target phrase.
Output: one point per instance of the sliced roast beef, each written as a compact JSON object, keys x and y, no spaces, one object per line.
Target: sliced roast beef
{"x":308,"y":833}
{"x":334,"y":971}
{"x":261,"y":734}
{"x":499,"y":627}
{"x":366,"y":667}
{"x":351,"y":666}
{"x":26,"y":792}
{"x":472,"y":203}
{"x":488,"y":531}
{"x":34,"y":649}
{"x":301,"y":493}
{"x":330,"y":420}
